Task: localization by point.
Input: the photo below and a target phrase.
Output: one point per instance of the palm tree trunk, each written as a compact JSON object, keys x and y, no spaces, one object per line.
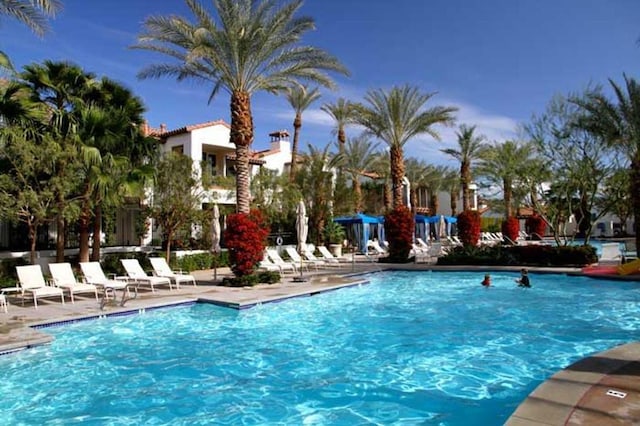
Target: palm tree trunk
{"x":297,"y":124}
{"x":413,"y":200}
{"x":357,"y":189}
{"x":387,"y":196}
{"x":83,"y":234}
{"x":465,"y":178}
{"x":454,"y":203}
{"x":507,"y":197}
{"x":635,"y":195}
{"x":434,"y":204}
{"x":97,"y":232}
{"x":241,"y":135}
{"x":397,"y":173}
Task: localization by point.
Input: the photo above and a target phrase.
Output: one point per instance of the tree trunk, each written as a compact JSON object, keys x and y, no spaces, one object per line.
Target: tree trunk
{"x":387,"y":196}
{"x":434,"y":204}
{"x":60,"y":238}
{"x":33,"y":229}
{"x":357,"y":189}
{"x":97,"y":234}
{"x":397,"y":173}
{"x":297,"y":124}
{"x":454,"y":203}
{"x":167,"y":252}
{"x":241,"y":135}
{"x":465,"y":178}
{"x":342,"y":138}
{"x":635,"y":196}
{"x":83,"y":231}
{"x":412,"y":199}
{"x":507,"y":197}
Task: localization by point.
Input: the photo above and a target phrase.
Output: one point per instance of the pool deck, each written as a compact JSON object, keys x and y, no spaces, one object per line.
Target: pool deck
{"x":602,"y":389}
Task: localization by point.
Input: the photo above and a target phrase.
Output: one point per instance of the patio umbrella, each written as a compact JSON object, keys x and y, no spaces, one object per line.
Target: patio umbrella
{"x":215,"y":239}
{"x":302,"y":228}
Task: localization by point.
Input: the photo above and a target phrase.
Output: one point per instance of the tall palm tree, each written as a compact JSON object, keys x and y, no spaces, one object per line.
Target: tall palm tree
{"x":59,"y":87}
{"x":247,"y":47}
{"x":396,"y":116}
{"x":342,"y":112}
{"x":505,"y":165}
{"x":469,"y":147}
{"x":32,"y":13}
{"x":300,"y":98}
{"x":618,"y":122}
{"x":359,"y":157}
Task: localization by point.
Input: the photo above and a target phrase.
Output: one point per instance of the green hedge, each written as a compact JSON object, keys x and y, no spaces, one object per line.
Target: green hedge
{"x":528,"y":255}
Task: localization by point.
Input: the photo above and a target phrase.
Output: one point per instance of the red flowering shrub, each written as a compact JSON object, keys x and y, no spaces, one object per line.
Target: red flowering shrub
{"x":469,"y":227}
{"x":511,"y":228}
{"x":536,"y":225}
{"x":246,"y":238}
{"x":399,"y":226}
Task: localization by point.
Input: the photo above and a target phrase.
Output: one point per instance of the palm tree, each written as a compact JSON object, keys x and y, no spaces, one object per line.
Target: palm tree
{"x":452,"y":185}
{"x":32,"y":13}
{"x":382,"y":169}
{"x":396,"y":117}
{"x":435,"y":177}
{"x":342,"y":112}
{"x":59,"y":87}
{"x":359,"y":157}
{"x":469,"y":147}
{"x":618,"y":122}
{"x":252,"y":46}
{"x":300,"y":98}
{"x":505,"y":165}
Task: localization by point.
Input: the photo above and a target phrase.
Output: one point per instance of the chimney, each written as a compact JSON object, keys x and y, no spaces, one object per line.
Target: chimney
{"x":163,"y":128}
{"x":278,"y":139}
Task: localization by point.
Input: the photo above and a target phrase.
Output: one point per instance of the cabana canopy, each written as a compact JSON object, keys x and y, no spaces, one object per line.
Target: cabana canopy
{"x":360,"y":228}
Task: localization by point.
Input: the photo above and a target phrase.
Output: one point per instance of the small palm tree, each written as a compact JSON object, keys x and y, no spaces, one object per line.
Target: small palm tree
{"x":248,"y":46}
{"x":505,"y":165}
{"x":469,"y":147}
{"x":359,"y":156}
{"x":32,"y":13}
{"x":300,"y":98}
{"x":342,"y":112}
{"x":396,"y":116}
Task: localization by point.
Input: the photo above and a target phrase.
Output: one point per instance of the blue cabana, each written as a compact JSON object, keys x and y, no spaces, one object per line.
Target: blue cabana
{"x":362,"y":228}
{"x":422,"y":225}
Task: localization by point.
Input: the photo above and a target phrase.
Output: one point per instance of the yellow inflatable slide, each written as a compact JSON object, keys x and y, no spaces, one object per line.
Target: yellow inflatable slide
{"x":629,"y":268}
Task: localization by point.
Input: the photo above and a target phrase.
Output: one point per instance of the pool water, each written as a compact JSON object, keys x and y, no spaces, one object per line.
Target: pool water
{"x":409,"y":348}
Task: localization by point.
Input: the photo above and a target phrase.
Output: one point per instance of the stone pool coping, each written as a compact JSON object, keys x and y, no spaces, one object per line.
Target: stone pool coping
{"x":574,"y":395}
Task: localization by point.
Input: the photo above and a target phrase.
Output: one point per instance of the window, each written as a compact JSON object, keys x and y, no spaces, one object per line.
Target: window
{"x":178,"y":149}
{"x":210,"y":163}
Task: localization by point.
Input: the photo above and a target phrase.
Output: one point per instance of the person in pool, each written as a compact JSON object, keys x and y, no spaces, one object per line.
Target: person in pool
{"x":486,"y":283}
{"x":523,"y":281}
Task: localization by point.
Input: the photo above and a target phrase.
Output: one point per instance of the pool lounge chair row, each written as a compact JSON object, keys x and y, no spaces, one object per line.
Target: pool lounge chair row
{"x":31,"y":281}
{"x":272,"y":260}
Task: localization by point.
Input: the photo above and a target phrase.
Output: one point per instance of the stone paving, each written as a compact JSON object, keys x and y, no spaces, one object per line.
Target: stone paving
{"x":603,"y":389}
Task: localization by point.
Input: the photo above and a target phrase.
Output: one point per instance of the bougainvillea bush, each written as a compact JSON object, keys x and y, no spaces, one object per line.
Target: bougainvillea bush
{"x":511,"y":228}
{"x":246,"y":239}
{"x":399,"y":226}
{"x":469,"y":227}
{"x":536,"y":226}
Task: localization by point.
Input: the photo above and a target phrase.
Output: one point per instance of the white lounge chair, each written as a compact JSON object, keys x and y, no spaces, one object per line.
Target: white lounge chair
{"x":329,"y":257}
{"x":162,"y":269}
{"x":93,"y":274}
{"x":610,"y":254}
{"x":298,"y":260}
{"x":422,"y":244}
{"x":136,"y":273}
{"x":3,"y":303}
{"x":31,"y":280}
{"x":376,"y":247}
{"x":267,"y":265}
{"x":308,"y":254}
{"x":64,"y":278}
{"x":275,"y":258}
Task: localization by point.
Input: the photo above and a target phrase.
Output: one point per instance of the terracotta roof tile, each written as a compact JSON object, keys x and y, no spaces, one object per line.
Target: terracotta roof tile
{"x":192,"y":127}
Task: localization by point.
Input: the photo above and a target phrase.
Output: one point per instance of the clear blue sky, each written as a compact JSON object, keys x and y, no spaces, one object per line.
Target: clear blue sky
{"x":499,"y":61}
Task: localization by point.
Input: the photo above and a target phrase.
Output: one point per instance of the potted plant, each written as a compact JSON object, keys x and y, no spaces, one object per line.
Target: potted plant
{"x":334,"y":234}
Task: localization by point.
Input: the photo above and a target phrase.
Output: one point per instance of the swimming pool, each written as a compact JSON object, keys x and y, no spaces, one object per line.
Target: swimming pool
{"x":409,"y":348}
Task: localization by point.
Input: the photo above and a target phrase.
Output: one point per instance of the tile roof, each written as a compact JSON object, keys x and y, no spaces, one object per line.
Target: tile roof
{"x":192,"y":127}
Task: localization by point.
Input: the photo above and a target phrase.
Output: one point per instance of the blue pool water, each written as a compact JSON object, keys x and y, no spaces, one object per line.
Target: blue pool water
{"x":409,"y":348}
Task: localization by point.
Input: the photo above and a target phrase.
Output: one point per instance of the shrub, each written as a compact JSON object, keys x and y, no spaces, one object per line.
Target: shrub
{"x":399,"y":225}
{"x":245,"y":237}
{"x":511,"y":228}
{"x":266,"y":277}
{"x":536,"y":226}
{"x":531,"y":255}
{"x":469,"y":227}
